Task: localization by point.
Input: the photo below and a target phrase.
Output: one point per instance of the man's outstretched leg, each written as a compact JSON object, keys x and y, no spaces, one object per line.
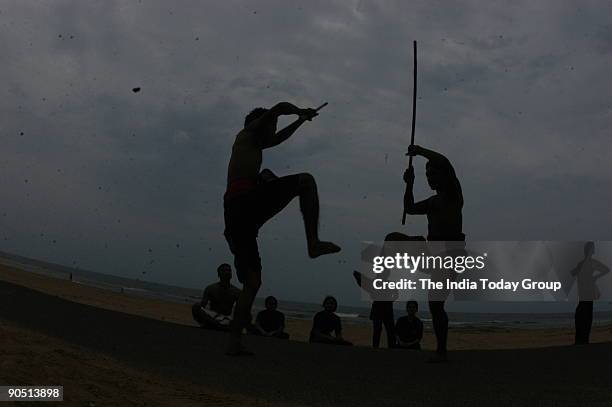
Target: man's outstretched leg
{"x":275,"y":195}
{"x":242,"y":312}
{"x":309,"y":205}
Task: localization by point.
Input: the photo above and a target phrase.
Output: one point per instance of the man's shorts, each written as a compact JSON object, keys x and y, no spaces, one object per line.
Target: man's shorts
{"x":246,"y":213}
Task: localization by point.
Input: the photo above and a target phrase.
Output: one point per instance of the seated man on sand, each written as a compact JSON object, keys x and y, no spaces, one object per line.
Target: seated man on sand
{"x":271,"y":322}
{"x":326,"y":326}
{"x":409,"y":328}
{"x":221,"y":297}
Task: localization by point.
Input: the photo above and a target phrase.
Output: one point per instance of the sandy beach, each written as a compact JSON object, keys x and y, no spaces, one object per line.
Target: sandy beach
{"x":91,"y":378}
{"x":115,"y":349}
{"x":192,"y":191}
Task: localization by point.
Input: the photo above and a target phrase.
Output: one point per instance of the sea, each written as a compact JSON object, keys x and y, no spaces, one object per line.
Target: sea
{"x":292,"y":309}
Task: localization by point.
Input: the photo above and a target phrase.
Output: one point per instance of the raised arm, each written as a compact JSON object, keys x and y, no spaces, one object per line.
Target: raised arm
{"x":433,"y":156}
{"x":271,"y":140}
{"x":449,"y":182}
{"x":271,"y":115}
{"x":279,"y":109}
{"x":284,"y":134}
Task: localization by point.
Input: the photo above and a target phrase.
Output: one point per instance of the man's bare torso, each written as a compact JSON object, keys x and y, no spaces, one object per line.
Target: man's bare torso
{"x":245,"y":162}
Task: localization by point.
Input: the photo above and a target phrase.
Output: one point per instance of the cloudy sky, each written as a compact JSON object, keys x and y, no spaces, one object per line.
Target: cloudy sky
{"x":517,"y":94}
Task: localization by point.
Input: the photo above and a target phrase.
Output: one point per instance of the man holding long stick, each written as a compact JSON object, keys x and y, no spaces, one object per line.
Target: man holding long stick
{"x":252,"y":198}
{"x":444,"y":218}
{"x":444,"y":223}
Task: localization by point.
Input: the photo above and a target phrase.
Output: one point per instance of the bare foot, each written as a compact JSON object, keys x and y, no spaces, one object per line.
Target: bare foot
{"x":321,"y":248}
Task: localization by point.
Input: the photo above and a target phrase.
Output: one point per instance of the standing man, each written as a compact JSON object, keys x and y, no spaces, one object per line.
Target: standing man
{"x":252,"y":198}
{"x":444,"y":223}
{"x":587,"y":272}
{"x":381,"y":311}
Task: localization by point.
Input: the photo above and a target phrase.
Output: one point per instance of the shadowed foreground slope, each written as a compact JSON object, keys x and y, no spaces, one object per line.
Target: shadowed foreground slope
{"x":300,"y":373}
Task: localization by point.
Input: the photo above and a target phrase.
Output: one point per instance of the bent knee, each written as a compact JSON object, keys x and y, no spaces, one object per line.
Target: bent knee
{"x":306,"y":180}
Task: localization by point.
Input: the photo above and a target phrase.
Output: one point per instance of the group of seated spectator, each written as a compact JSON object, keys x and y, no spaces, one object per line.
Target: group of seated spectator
{"x":327,"y":327}
{"x":214,"y":311}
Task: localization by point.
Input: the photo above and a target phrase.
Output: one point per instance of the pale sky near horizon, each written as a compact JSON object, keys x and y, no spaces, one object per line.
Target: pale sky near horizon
{"x":518,"y":96}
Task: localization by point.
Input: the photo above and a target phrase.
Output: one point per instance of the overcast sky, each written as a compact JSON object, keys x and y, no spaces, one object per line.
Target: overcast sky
{"x":518,"y":95}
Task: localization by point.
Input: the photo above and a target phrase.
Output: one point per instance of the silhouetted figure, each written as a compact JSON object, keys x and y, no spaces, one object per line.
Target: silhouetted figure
{"x":271,"y":322}
{"x":587,"y":272}
{"x":326,"y":325}
{"x":381,"y":312}
{"x":444,"y":223}
{"x":252,"y":198}
{"x":409,"y":328}
{"x":220,"y":297}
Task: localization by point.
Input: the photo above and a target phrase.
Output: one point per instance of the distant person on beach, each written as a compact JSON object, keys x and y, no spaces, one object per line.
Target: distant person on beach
{"x":444,"y":223}
{"x":271,"y":322}
{"x":587,"y":272}
{"x":253,"y":197}
{"x":220,"y":297}
{"x":381,"y":311}
{"x":409,"y":328}
{"x":326,"y":326}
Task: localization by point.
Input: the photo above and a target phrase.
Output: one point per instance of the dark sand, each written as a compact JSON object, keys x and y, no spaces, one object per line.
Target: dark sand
{"x":93,"y":379}
{"x":301,"y":374}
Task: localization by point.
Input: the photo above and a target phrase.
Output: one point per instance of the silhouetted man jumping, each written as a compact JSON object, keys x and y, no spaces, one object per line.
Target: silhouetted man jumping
{"x":252,"y":198}
{"x":444,"y":223}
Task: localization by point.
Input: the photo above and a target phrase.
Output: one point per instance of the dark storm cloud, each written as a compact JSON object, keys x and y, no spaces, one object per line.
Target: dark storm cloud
{"x":516,"y":94}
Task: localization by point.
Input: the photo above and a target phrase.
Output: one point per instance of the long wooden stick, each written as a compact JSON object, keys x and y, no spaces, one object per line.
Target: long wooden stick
{"x":414,"y":99}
